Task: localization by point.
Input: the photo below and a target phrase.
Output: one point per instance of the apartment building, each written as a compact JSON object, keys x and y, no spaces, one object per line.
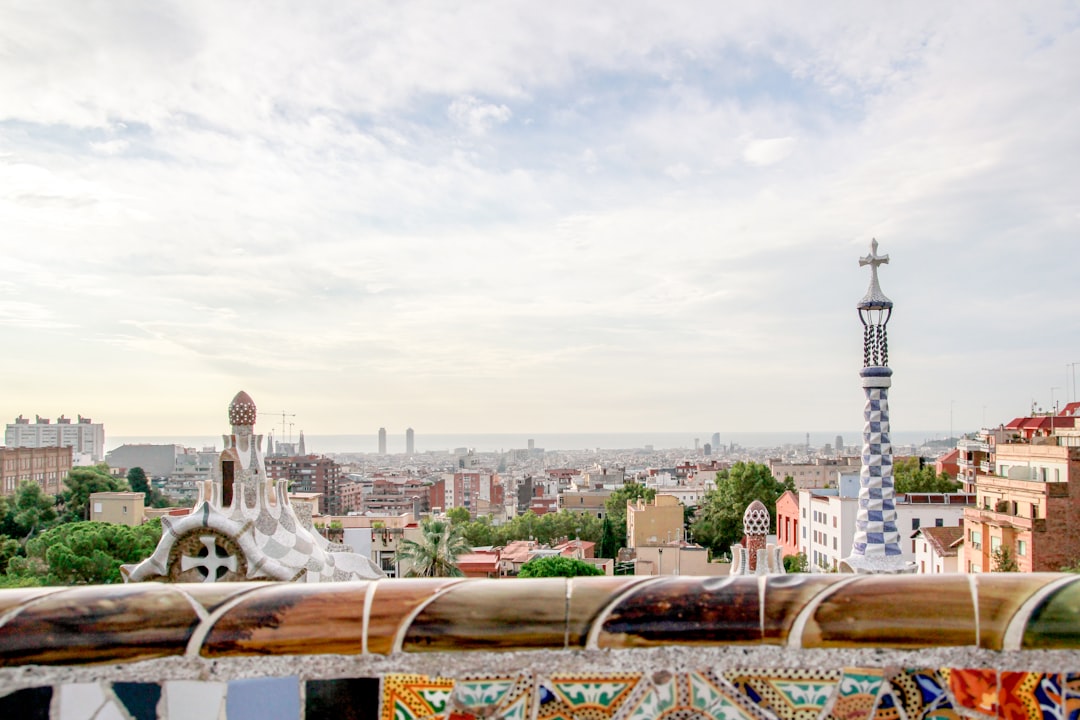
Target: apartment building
{"x":47,"y":466}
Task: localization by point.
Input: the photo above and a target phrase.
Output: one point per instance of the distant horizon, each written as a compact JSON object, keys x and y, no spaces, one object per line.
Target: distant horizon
{"x":494,"y":442}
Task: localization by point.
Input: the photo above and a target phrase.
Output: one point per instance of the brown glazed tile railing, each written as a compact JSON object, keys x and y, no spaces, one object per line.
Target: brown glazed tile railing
{"x":128,"y":623}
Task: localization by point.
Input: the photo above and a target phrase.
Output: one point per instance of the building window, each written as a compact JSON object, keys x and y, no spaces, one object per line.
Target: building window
{"x":1021,"y":547}
{"x":975,"y":537}
{"x":915,"y":523}
{"x":939,"y":522}
{"x":995,"y":543}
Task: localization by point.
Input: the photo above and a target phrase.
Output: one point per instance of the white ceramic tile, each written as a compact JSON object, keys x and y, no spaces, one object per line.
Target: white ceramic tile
{"x":188,"y":700}
{"x":111,"y":712}
{"x":80,"y":701}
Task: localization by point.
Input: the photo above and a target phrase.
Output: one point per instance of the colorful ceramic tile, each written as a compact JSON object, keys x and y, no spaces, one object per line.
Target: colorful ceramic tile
{"x":1030,"y":695}
{"x":869,"y":611}
{"x":99,"y":623}
{"x":492,"y":615}
{"x":292,"y":619}
{"x":687,"y":696}
{"x":345,"y":699}
{"x":139,"y":699}
{"x":1000,"y":596}
{"x":588,"y":600}
{"x":1055,"y":623}
{"x":506,"y":698}
{"x":1070,"y":686}
{"x":584,"y":696}
{"x":28,"y":704}
{"x":789,"y":694}
{"x":974,"y":689}
{"x":263,"y":698}
{"x":686,"y":611}
{"x":414,"y":697}
{"x":393,"y":604}
{"x":189,"y":700}
{"x":888,"y":707}
{"x":785,"y":598}
{"x":857,"y":695}
{"x":921,"y":693}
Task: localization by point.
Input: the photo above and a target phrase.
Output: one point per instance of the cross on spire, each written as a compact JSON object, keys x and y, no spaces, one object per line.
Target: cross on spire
{"x":874,"y":296}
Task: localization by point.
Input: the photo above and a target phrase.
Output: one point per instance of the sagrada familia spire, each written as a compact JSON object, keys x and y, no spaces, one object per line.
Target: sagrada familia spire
{"x":877,"y":541}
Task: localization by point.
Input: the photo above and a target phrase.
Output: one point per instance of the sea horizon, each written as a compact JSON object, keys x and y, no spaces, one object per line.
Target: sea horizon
{"x":501,"y":442}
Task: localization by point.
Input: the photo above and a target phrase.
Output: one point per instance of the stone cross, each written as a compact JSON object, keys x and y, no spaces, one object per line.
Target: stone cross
{"x":212,"y":562}
{"x":873,"y":260}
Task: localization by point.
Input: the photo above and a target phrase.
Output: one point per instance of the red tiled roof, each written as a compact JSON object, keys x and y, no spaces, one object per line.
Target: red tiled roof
{"x":943,"y":539}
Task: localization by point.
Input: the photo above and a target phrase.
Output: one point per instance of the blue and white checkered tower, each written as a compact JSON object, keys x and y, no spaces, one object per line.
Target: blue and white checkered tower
{"x":876,"y":548}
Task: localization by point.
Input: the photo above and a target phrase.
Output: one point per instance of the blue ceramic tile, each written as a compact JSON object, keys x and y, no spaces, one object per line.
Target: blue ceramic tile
{"x":28,"y":704}
{"x":348,"y":699}
{"x":140,"y":699}
{"x":263,"y":699}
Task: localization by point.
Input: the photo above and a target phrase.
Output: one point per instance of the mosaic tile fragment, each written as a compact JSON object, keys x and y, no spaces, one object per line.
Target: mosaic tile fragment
{"x":27,"y":704}
{"x":139,"y":699}
{"x":1000,"y":599}
{"x":414,"y":697}
{"x":866,"y":611}
{"x":1030,"y":695}
{"x":191,"y":700}
{"x":393,"y":604}
{"x":687,"y":696}
{"x":292,"y":619}
{"x":81,"y":701}
{"x":1070,"y":687}
{"x":857,"y":694}
{"x":263,"y":698}
{"x":345,"y":699}
{"x":587,"y":601}
{"x":1055,"y":623}
{"x":99,"y":623}
{"x":787,"y":693}
{"x":975,"y":689}
{"x":584,"y":696}
{"x":920,"y":692}
{"x":686,"y":611}
{"x":504,"y":697}
{"x":785,"y":598}
{"x":492,"y":615}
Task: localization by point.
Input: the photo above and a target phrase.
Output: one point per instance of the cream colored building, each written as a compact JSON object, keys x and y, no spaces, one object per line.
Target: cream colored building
{"x":657,"y":523}
{"x":119,"y":508}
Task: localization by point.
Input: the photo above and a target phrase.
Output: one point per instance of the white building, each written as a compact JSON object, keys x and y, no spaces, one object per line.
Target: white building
{"x":937,"y":549}
{"x":85,"y":438}
{"x":827,"y":530}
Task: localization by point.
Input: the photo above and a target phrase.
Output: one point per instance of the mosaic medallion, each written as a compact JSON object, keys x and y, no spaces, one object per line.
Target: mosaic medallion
{"x":206,"y":555}
{"x":789,"y":694}
{"x":584,"y":697}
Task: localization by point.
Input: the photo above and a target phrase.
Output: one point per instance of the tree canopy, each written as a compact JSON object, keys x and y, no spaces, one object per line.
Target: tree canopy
{"x":718,"y":521}
{"x":557,"y":566}
{"x":29,"y":511}
{"x":436,"y":553}
{"x":81,"y":483}
{"x":911,"y":476}
{"x":544,"y":529}
{"x":80,"y":553}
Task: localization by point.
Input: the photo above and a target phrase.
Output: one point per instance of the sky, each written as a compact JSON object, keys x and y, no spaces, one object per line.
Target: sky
{"x":535,"y":217}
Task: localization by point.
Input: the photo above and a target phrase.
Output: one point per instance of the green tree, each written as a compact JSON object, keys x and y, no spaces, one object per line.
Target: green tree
{"x":459,"y":515}
{"x":436,"y":553}
{"x":719,"y":518}
{"x":557,"y":566}
{"x":912,"y":476}
{"x":609,"y":541}
{"x":81,"y":553}
{"x":615,"y":508}
{"x":32,"y":509}
{"x":81,"y":483}
{"x":1004,"y":560}
{"x":796,"y":563}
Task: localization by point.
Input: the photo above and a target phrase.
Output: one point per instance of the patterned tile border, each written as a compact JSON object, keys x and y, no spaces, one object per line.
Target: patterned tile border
{"x":749,"y":694}
{"x":130,"y":623}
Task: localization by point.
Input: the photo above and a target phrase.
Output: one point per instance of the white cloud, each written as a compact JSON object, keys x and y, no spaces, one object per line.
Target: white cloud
{"x":479,"y":213}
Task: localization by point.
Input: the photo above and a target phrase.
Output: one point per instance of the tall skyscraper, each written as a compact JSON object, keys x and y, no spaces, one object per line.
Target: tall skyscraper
{"x":382,"y":441}
{"x":85,"y":437}
{"x":303,"y":448}
{"x":876,"y":548}
{"x":410,"y":442}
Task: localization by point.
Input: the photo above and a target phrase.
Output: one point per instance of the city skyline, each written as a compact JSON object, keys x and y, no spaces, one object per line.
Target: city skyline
{"x":518,"y":218}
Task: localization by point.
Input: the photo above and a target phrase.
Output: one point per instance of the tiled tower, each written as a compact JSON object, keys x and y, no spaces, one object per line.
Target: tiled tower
{"x":876,"y":548}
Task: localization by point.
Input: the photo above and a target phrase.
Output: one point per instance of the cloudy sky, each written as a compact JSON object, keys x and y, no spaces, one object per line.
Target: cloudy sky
{"x":535,"y":217}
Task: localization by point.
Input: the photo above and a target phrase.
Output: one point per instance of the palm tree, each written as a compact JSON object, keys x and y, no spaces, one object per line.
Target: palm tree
{"x":436,"y":552}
